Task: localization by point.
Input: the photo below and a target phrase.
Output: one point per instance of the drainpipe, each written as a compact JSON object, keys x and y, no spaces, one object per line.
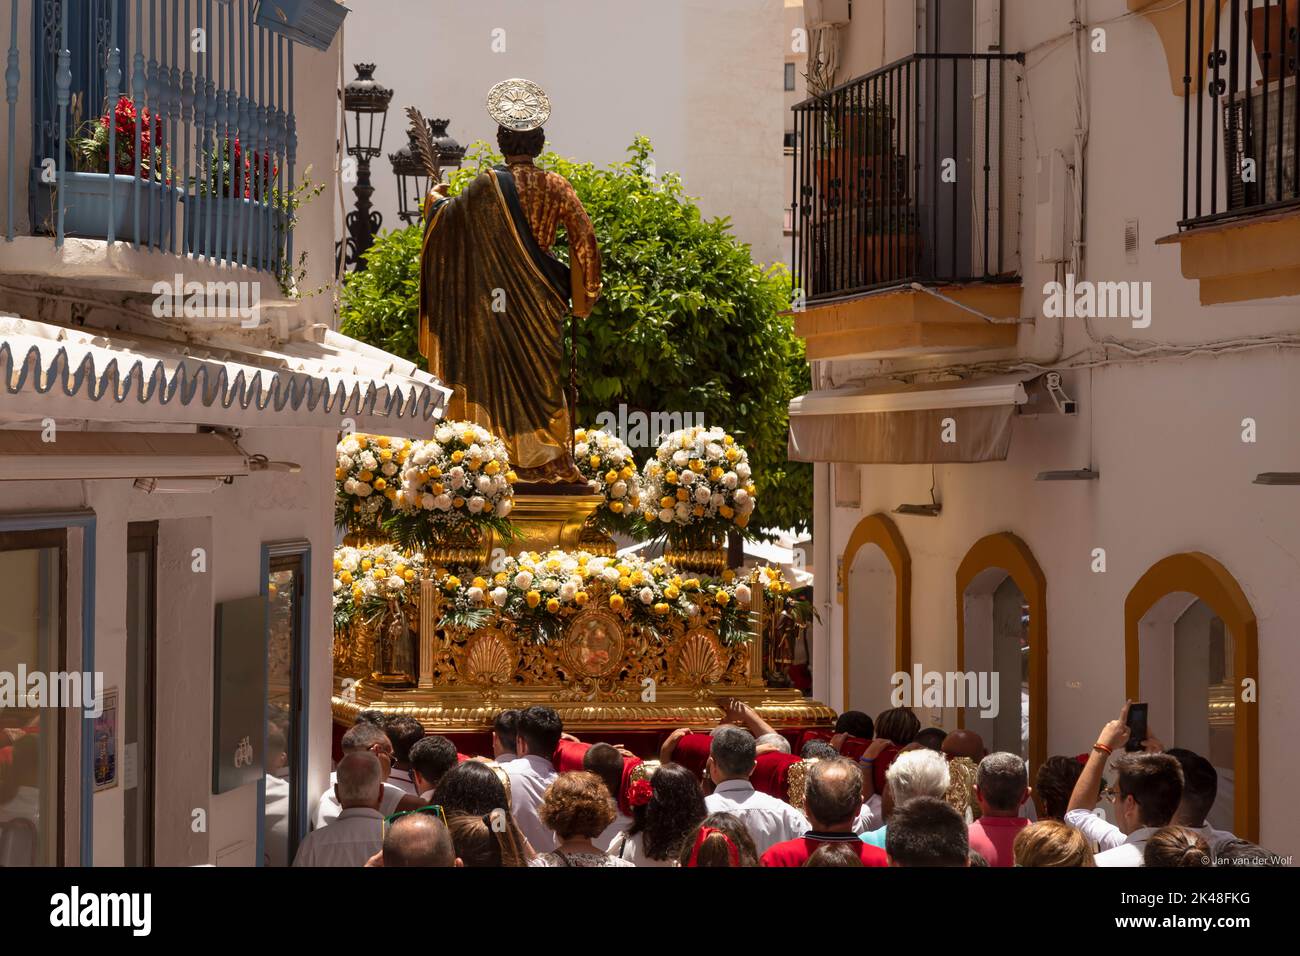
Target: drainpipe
{"x":825,"y":580}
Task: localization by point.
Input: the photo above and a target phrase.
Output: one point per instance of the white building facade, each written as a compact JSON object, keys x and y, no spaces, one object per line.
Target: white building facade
{"x":1088,"y":509}
{"x":169,"y":407}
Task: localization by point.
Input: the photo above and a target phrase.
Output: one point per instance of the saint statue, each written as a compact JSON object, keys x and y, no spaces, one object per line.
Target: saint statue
{"x":493,"y":298}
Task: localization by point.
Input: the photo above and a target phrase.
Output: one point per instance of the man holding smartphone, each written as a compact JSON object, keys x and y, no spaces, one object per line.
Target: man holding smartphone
{"x":1147,"y":792}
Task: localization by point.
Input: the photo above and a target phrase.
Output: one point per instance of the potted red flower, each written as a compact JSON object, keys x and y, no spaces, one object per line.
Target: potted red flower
{"x":85,"y":191}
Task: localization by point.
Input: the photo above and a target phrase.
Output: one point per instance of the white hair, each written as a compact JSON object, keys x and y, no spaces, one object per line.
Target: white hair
{"x":778,"y":741}
{"x":359,"y":778}
{"x":918,"y":773}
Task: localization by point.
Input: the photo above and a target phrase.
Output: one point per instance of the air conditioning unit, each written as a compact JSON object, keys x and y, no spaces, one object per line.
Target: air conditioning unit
{"x":1254,"y":135}
{"x":826,"y":13}
{"x":313,"y":23}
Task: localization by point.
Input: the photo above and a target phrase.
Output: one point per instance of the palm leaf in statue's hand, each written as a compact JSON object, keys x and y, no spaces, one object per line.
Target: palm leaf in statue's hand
{"x":422,"y":144}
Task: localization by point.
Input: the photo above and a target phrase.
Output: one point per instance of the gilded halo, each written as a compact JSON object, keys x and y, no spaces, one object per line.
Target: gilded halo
{"x":518,"y":104}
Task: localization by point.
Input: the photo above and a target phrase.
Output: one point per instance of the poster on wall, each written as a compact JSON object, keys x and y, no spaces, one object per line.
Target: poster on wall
{"x":105,"y":743}
{"x":239,"y":697}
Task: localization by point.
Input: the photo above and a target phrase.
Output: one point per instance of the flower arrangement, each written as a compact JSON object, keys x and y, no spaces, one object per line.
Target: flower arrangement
{"x":367,"y":480}
{"x":368,"y":579}
{"x":458,"y":483}
{"x":540,"y":590}
{"x":697,"y":487}
{"x":91,"y":149}
{"x":607,"y":464}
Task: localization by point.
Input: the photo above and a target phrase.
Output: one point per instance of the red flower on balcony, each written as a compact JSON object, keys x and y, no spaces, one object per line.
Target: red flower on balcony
{"x":92,"y":149}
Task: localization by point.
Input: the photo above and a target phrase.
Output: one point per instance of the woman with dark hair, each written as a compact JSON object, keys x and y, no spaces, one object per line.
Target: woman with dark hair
{"x":899,"y":725}
{"x":472,"y":787}
{"x":664,"y":809}
{"x":721,"y":839}
{"x":490,"y":840}
{"x":1054,"y":784}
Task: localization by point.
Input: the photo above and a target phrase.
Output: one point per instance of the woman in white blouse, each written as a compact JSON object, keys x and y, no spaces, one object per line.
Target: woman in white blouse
{"x":664,"y":810}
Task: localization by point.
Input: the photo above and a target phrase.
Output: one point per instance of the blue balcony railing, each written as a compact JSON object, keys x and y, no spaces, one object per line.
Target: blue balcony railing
{"x":168,"y":124}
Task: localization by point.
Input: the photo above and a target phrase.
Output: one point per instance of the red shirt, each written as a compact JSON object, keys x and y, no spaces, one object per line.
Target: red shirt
{"x":991,"y":838}
{"x":796,"y":852}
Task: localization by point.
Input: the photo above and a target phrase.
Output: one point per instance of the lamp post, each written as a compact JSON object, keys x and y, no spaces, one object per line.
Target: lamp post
{"x":412,"y":178}
{"x":364,"y":100}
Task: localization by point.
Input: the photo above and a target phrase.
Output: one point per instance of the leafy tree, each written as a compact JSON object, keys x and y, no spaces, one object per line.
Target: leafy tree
{"x":686,"y":322}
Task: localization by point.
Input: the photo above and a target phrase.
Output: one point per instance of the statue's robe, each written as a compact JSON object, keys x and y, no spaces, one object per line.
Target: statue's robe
{"x":493,"y":300}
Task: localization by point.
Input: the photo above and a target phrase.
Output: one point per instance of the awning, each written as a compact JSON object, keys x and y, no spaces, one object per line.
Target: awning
{"x":908,"y":424}
{"x":319,"y":379}
{"x":26,"y":456}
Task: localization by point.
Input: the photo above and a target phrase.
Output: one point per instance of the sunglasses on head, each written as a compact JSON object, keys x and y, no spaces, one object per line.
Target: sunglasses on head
{"x":433,"y":808}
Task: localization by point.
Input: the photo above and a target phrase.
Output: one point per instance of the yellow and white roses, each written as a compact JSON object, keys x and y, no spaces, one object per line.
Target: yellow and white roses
{"x":607,"y":464}
{"x":698,"y":485}
{"x":366,"y":579}
{"x":367,"y":476}
{"x":459,"y":478}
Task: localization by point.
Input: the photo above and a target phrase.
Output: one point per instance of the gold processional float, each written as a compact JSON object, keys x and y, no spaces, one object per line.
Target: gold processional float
{"x":454,"y":598}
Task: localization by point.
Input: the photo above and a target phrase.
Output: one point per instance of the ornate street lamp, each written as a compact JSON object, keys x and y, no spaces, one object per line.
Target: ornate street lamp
{"x":364,"y":100}
{"x":412,"y":178}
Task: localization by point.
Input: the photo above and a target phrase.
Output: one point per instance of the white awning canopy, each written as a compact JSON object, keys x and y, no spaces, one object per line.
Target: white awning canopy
{"x":964,"y":421}
{"x":27,"y":456}
{"x":319,"y":379}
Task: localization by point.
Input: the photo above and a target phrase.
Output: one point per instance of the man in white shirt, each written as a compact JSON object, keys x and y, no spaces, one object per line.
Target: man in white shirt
{"x":537,"y":734}
{"x":358,"y":832}
{"x":431,"y":758}
{"x":365,"y":738}
{"x":1147,"y":795}
{"x":732,"y":757}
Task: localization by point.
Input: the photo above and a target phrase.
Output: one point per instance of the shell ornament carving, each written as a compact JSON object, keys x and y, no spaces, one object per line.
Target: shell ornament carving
{"x":699,"y":660}
{"x":488,"y":660}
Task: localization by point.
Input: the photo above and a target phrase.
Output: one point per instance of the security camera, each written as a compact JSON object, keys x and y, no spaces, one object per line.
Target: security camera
{"x":1064,"y":404}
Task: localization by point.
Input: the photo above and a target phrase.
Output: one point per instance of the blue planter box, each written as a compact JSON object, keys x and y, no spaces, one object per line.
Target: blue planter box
{"x":254,"y":244}
{"x":86,"y":214}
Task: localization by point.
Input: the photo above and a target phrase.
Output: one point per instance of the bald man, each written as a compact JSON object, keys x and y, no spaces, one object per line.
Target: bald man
{"x":964,"y":743}
{"x":832,"y":801}
{"x":418,"y":839}
{"x":358,"y":833}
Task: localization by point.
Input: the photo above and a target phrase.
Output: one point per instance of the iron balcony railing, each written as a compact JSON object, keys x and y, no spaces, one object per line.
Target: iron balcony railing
{"x":1240,"y":109}
{"x":900,"y":176}
{"x":168,"y":124}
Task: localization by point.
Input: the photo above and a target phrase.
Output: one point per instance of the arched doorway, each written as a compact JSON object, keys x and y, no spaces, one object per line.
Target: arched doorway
{"x":1191,"y":645}
{"x":877,"y":599}
{"x":1002,"y":629}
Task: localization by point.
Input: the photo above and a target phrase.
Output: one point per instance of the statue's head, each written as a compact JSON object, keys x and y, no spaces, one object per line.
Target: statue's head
{"x":514,"y":142}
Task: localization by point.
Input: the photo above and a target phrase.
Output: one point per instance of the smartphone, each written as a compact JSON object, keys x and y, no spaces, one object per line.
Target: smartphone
{"x":1137,"y":725}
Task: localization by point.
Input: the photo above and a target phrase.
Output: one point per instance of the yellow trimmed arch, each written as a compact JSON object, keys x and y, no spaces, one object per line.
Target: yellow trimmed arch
{"x":880,"y":530}
{"x":1008,"y":553}
{"x":1200,"y":575}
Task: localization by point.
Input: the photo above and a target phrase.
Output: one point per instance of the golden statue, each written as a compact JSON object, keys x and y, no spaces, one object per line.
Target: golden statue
{"x":493,"y":298}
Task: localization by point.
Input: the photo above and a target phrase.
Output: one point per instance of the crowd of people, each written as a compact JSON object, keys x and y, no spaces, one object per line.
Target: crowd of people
{"x":882,"y":792}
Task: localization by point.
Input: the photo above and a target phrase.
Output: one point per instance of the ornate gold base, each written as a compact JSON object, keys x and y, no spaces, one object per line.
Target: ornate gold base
{"x":546,"y":522}
{"x":464,"y":711}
